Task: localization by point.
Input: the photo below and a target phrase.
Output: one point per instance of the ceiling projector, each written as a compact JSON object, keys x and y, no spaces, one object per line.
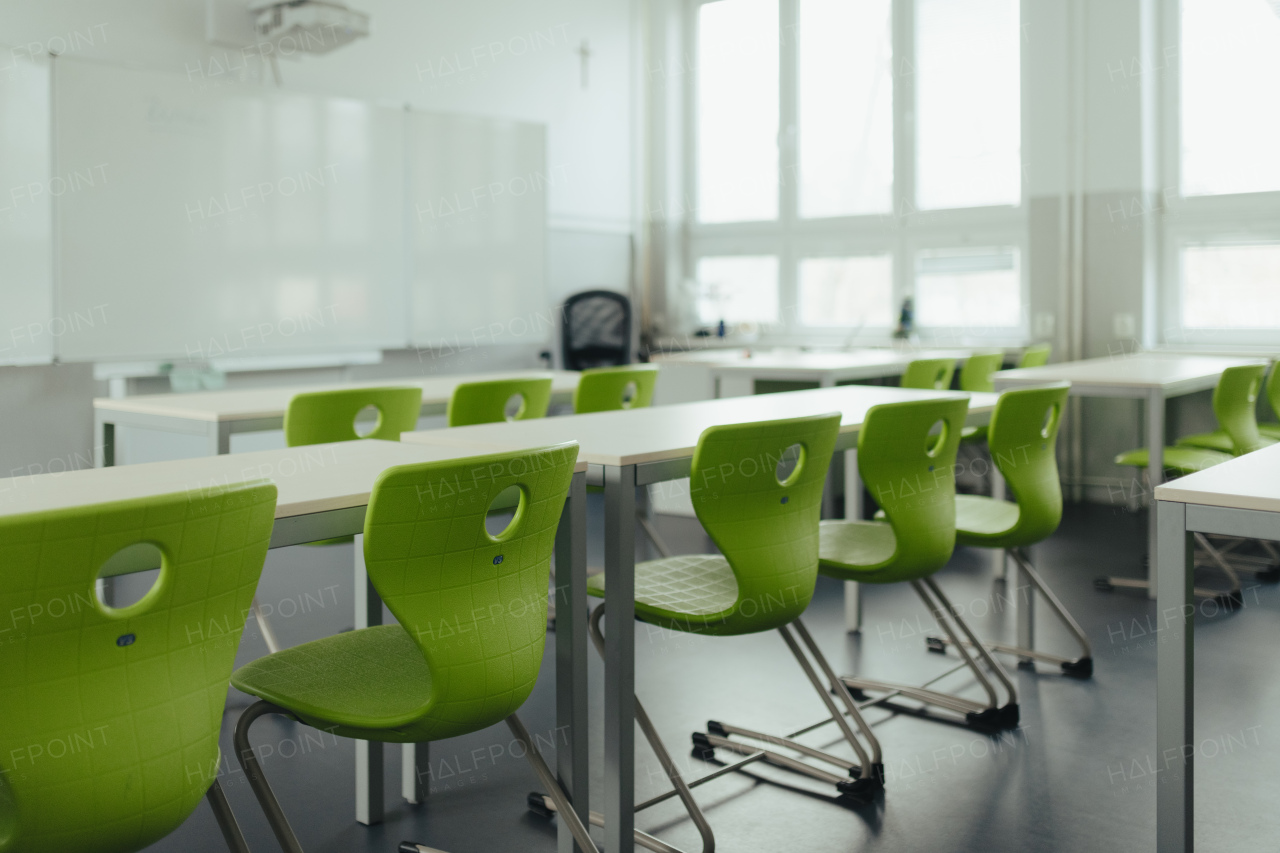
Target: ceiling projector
{"x":307,"y":26}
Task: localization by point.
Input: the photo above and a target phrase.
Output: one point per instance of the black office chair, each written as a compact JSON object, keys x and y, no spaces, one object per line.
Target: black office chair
{"x":596,"y":330}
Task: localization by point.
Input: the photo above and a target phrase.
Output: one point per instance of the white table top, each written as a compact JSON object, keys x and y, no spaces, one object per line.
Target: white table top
{"x":761,"y":362}
{"x":1139,"y":371}
{"x":671,"y":432}
{"x":1247,"y":482}
{"x":316,"y":478}
{"x":249,"y":404}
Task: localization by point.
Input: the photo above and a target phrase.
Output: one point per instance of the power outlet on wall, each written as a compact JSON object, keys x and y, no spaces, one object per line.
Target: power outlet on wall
{"x":1043,"y":324}
{"x":1124,"y":326}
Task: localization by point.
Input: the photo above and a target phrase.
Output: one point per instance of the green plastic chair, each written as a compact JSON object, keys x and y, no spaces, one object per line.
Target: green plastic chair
{"x":1023,"y":441}
{"x":1272,"y":430}
{"x":607,"y":389}
{"x":320,"y":417}
{"x":430,"y":557}
{"x":1235,"y":402}
{"x":933,"y":374}
{"x":767,"y":533}
{"x":110,"y":716}
{"x":485,"y":402}
{"x":911,"y":472}
{"x":976,"y":376}
{"x":1036,"y":355}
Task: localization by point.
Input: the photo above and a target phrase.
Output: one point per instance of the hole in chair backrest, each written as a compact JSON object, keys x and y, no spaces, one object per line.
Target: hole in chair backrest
{"x":939,"y":377}
{"x":936,"y":438}
{"x":629,"y":394}
{"x":514,"y":407}
{"x":1050,"y":420}
{"x":1254,"y":387}
{"x":789,"y":465}
{"x":367,"y":420}
{"x":129,"y":576}
{"x":504,"y":512}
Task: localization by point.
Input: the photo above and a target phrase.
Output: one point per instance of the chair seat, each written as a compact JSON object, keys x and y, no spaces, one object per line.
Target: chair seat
{"x":370,"y":679}
{"x":1220,"y":440}
{"x":984,"y":521}
{"x":688,"y":592}
{"x":849,"y":548}
{"x":973,"y":433}
{"x":1185,"y":460}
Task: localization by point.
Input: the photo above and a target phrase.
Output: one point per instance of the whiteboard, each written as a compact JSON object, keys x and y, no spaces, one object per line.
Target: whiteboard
{"x":477,"y":214}
{"x":218,"y":221}
{"x":28,"y":324}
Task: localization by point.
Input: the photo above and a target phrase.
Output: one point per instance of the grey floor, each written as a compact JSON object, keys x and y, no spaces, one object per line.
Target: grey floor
{"x":1081,"y":773}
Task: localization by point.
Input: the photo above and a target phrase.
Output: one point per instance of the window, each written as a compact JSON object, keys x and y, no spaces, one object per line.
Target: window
{"x":818,"y":129}
{"x":738,"y":110}
{"x":845,"y":107}
{"x":968,"y":288}
{"x":738,"y":289}
{"x":1230,"y":121}
{"x":968,"y":144}
{"x":851,"y":292}
{"x":1231,"y":287}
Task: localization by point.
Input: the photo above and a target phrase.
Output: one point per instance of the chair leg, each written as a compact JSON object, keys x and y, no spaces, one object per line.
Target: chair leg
{"x":248,"y":761}
{"x":988,"y":715}
{"x":268,"y":633}
{"x":1078,"y":667}
{"x":226,"y":819}
{"x":549,"y":782}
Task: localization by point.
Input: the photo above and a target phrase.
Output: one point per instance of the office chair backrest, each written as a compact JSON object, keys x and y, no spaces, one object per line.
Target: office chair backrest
{"x":1036,"y":355}
{"x":486,"y":402}
{"x":1235,"y":403}
{"x":607,"y":389}
{"x":766,"y":527}
{"x":978,"y":370}
{"x":1023,"y":438}
{"x":596,"y":330}
{"x":910,"y":470}
{"x":929,"y":373}
{"x":318,"y":417}
{"x":475,"y":603}
{"x":109,"y":717}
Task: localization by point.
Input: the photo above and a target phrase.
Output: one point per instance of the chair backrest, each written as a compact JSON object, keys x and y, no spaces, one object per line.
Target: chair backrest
{"x":978,"y":370}
{"x":1036,"y":355}
{"x":931,"y":373}
{"x":318,"y":417}
{"x":910,"y":470}
{"x":767,"y":529}
{"x":1235,"y":403}
{"x":486,"y":402}
{"x":109,"y":717}
{"x":596,"y":330}
{"x":605,"y":389}
{"x":1023,"y":439}
{"x":476,"y":604}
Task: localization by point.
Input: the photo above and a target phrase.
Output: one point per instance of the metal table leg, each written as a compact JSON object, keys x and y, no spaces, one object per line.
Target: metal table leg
{"x":853,"y":512}
{"x":369,"y":785}
{"x":1155,"y":476}
{"x":1175,"y":679}
{"x":619,"y":658}
{"x":571,"y":657}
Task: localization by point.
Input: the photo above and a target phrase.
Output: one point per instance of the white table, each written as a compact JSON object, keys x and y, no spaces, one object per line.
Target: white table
{"x":1150,"y":377}
{"x":1236,"y":498}
{"x":323,"y":493}
{"x":217,"y":415}
{"x":627,"y":449}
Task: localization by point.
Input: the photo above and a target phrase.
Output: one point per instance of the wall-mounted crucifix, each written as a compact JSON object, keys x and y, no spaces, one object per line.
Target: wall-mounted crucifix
{"x":585,"y":53}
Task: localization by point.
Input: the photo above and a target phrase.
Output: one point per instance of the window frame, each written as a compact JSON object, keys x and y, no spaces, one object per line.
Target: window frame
{"x":901,"y":233}
{"x":1228,"y":219}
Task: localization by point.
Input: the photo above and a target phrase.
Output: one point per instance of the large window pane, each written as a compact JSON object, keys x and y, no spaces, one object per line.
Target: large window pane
{"x":1231,"y":287}
{"x":856,"y":292}
{"x":968,"y":114}
{"x":846,"y":107}
{"x":738,"y":110}
{"x":1230,"y":113}
{"x":975,"y":288}
{"x":738,"y":289}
